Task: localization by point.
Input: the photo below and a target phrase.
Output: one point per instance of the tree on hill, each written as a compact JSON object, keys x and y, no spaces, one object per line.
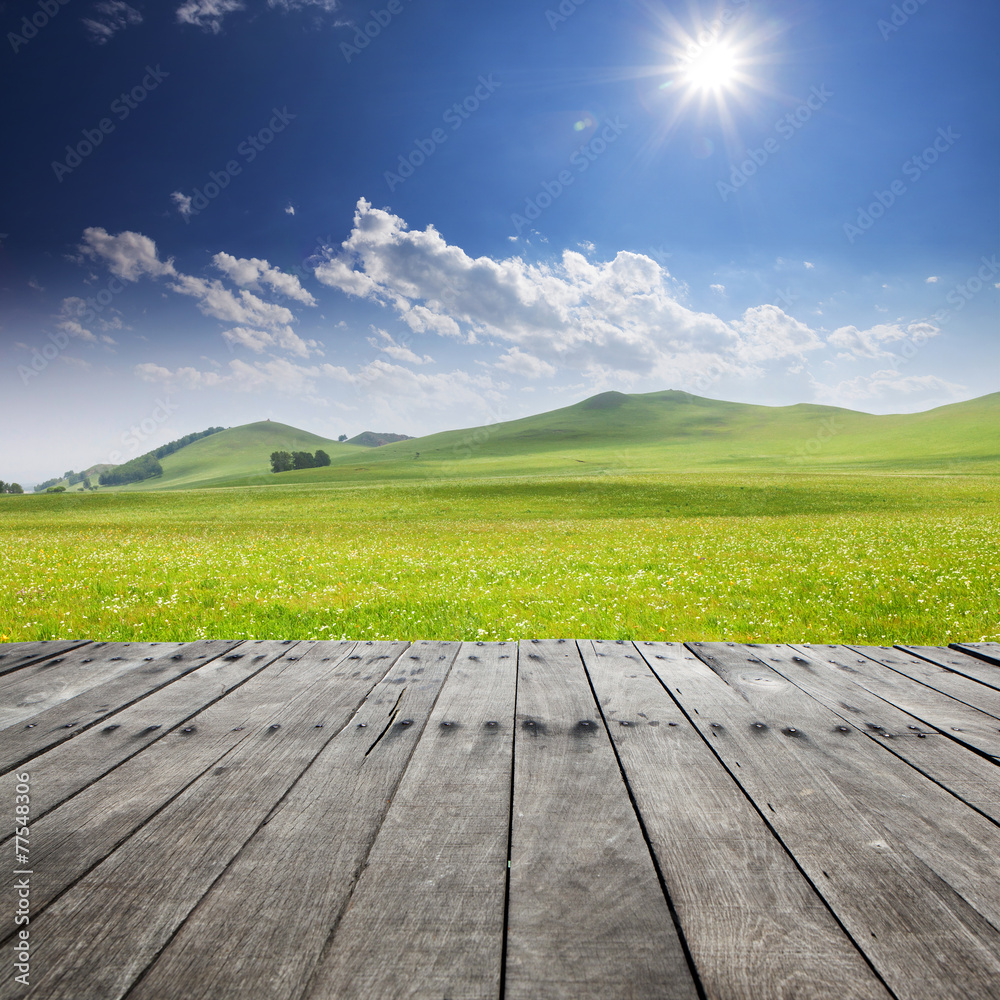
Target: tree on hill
{"x":172,"y":446}
{"x":343,"y":437}
{"x":133,"y":471}
{"x":283,"y":461}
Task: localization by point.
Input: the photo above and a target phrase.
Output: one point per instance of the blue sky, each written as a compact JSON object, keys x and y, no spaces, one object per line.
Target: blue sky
{"x":424,"y":214}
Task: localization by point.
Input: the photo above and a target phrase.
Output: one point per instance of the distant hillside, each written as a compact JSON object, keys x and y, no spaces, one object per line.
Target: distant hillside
{"x":371,"y":439}
{"x":677,"y":432}
{"x":239,"y":451}
{"x":75,"y":482}
{"x":613,"y":432}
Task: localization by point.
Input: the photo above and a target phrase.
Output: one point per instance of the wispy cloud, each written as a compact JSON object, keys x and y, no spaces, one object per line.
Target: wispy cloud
{"x":207,"y":14}
{"x":108,"y":18}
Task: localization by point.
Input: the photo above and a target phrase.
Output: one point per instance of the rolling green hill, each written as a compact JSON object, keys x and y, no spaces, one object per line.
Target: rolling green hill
{"x":677,"y":432}
{"x":613,"y":432}
{"x":242,"y":452}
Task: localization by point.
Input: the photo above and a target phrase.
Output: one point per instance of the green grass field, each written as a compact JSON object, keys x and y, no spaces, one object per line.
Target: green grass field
{"x":770,"y":557}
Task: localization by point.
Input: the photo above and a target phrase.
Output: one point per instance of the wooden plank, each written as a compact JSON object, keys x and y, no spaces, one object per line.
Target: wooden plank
{"x":952,"y":718}
{"x":921,"y":937}
{"x":69,"y":767}
{"x":587,"y":917}
{"x":962,"y":846}
{"x":19,"y":744}
{"x":976,"y":696}
{"x":754,"y":924}
{"x":988,"y":651}
{"x":14,"y":655}
{"x":974,"y":779}
{"x":426,"y":918}
{"x":260,"y":929}
{"x":81,"y":833}
{"x":959,"y":662}
{"x":34,"y":689}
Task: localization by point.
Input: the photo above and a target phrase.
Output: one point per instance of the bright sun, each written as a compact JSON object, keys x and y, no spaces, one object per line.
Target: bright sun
{"x":714,"y":68}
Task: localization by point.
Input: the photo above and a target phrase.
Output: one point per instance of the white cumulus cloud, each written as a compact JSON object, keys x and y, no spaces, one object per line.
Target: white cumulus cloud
{"x":252,"y":272}
{"x":871,"y":343}
{"x":128,"y":255}
{"x":619,"y":316}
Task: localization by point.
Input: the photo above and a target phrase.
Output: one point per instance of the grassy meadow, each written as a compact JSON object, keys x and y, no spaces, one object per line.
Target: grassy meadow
{"x":781,"y":556}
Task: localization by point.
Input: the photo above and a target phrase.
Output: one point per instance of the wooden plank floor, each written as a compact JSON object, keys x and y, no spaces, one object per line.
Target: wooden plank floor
{"x":449,"y":821}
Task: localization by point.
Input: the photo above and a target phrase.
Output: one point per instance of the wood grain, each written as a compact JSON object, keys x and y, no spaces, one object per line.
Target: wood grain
{"x":426,"y":918}
{"x":32,"y":690}
{"x":64,"y":721}
{"x":961,"y":663}
{"x":71,"y":766}
{"x":261,"y":929}
{"x":961,"y":846}
{"x":145,"y":889}
{"x":922,"y":938}
{"x":970,"y":777}
{"x":587,"y":917}
{"x":14,"y":655}
{"x":962,"y":689}
{"x":988,"y":651}
{"x":83,"y":831}
{"x":754,"y":924}
{"x":954,"y":719}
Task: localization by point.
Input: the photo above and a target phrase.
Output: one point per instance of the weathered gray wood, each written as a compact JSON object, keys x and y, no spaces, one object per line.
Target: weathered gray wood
{"x":972,"y":778}
{"x":587,"y":917}
{"x":19,"y":744}
{"x":988,"y":651}
{"x":14,"y":655}
{"x":261,"y":928}
{"x":32,"y":690}
{"x":961,"y":663}
{"x":135,"y":900}
{"x":977,"y":696}
{"x":957,"y":843}
{"x":426,"y":918}
{"x":82,"y":832}
{"x":754,"y":924}
{"x":919,"y":934}
{"x":70,"y":767}
{"x":954,"y":719}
